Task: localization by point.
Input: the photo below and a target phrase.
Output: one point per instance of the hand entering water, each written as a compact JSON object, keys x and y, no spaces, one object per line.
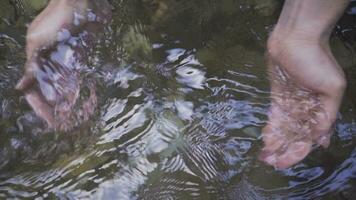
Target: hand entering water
{"x":307,"y":84}
{"x":56,"y":45}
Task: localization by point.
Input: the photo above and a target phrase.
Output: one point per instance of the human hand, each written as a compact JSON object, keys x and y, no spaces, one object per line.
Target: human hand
{"x":55,"y":49}
{"x":307,"y":87}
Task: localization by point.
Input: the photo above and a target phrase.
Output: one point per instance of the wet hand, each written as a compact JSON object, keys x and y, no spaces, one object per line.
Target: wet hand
{"x":55,"y":44}
{"x":307,"y":87}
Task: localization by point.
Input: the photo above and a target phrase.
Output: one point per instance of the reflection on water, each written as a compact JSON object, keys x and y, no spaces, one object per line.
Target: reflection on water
{"x":181,"y":106}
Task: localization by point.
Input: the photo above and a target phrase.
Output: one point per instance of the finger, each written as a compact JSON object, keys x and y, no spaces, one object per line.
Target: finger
{"x":40,"y":106}
{"x":268,"y":157}
{"x":295,"y":152}
{"x":25,"y":82}
{"x":28,"y":78}
{"x":326,"y":118}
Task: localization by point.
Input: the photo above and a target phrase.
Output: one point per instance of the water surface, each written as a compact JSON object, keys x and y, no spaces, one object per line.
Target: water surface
{"x":183,"y":95}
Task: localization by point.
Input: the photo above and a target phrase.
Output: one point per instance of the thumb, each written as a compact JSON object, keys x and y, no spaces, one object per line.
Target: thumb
{"x":25,"y":82}
{"x":28,"y":78}
{"x":326,"y":118}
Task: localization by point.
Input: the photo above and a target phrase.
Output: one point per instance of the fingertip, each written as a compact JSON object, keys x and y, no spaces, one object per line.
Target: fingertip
{"x":25,"y":82}
{"x":41,"y":107}
{"x":322,"y":134}
{"x":294,"y":154}
{"x":267,"y":157}
{"x":20,"y":85}
{"x":324,"y":141}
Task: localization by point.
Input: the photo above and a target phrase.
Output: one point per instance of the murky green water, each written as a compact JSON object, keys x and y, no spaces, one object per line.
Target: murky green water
{"x":183,"y":96}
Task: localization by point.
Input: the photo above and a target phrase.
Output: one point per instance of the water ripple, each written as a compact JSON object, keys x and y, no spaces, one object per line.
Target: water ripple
{"x":183,"y":123}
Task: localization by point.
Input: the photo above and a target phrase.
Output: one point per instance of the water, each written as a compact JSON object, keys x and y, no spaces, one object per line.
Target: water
{"x":182,"y":97}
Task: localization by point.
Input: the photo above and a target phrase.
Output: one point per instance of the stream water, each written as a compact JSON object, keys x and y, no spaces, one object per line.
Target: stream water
{"x":182,"y":97}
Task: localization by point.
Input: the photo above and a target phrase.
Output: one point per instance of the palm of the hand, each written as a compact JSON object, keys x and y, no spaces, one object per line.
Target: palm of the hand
{"x":306,"y":95}
{"x":51,"y":82}
{"x":52,"y":88}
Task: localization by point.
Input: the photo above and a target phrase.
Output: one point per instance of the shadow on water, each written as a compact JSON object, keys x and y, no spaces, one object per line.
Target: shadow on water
{"x":183,"y":95}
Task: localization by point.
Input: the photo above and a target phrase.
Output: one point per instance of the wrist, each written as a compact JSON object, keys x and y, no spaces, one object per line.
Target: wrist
{"x":302,"y":34}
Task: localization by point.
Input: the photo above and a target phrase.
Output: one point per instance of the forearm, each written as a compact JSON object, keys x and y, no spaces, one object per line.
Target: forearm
{"x":312,"y":19}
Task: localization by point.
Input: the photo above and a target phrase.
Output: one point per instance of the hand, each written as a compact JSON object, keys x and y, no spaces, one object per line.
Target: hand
{"x":307,"y":87}
{"x":55,"y":44}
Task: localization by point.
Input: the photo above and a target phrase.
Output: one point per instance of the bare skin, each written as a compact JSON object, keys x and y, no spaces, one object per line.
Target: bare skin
{"x":307,"y":83}
{"x":55,"y":44}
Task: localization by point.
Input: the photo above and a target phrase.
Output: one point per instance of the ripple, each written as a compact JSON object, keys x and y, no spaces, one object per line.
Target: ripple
{"x":183,"y":124}
{"x":338,"y":180}
{"x":191,"y":77}
{"x":222,"y":116}
{"x":170,"y":187}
